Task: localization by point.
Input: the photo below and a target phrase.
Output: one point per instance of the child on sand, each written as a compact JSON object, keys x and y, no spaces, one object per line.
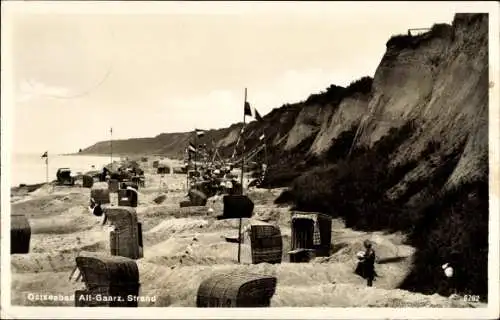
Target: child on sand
{"x":366,"y":265}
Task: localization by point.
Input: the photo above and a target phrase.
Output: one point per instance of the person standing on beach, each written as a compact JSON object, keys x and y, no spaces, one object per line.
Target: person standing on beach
{"x":104,"y":174}
{"x":451,"y":277}
{"x":369,"y":263}
{"x":366,"y":264}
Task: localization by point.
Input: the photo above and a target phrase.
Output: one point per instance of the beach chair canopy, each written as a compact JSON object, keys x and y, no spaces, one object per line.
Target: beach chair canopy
{"x":102,"y":270}
{"x":236,"y":289}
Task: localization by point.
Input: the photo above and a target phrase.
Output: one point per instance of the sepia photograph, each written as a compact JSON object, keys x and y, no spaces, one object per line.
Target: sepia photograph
{"x":240,"y":159}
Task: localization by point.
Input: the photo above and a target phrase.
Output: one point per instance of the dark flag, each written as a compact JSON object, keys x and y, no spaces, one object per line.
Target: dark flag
{"x":248,"y":109}
{"x":252,"y":112}
{"x":258,"y":117}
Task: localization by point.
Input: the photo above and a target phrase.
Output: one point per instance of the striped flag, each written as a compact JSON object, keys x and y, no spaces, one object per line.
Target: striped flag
{"x":191,"y":147}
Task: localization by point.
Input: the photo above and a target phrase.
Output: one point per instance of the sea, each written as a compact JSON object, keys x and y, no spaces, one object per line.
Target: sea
{"x":31,"y":168}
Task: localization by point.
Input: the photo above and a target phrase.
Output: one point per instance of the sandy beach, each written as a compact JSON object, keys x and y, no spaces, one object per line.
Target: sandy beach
{"x":184,"y":246}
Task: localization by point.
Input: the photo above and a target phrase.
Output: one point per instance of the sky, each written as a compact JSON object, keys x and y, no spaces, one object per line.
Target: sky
{"x":75,"y":75}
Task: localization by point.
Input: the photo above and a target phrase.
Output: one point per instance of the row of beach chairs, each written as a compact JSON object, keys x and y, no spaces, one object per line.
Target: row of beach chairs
{"x":116,"y":273}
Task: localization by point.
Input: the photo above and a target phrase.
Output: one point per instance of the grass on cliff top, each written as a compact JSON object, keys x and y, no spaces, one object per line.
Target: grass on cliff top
{"x":403,"y":41}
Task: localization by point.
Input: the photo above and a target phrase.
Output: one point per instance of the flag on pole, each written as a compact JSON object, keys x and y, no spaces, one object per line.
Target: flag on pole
{"x":111,"y":130}
{"x":257,"y":116}
{"x":248,"y":109}
{"x":252,"y":112}
{"x":191,"y":147}
{"x":200,"y":133}
{"x":45,"y":154}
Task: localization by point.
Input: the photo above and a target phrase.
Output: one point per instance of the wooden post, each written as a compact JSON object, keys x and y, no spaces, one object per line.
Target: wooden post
{"x":195,"y":149}
{"x":47,"y":168}
{"x":242,"y":170}
{"x":111,"y":147}
{"x":187,"y":169}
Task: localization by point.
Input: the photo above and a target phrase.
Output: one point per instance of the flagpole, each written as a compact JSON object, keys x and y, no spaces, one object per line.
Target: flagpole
{"x":265,"y":154}
{"x":188,"y":160}
{"x":214,"y":150}
{"x":266,"y":160}
{"x":241,"y":180}
{"x":111,"y":147}
{"x":195,"y":149}
{"x":47,"y":168}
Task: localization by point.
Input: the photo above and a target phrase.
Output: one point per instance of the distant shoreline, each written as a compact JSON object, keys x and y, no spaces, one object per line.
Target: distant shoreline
{"x":114,"y":154}
{"x":29,"y":187}
{"x":129,"y":155}
{"x":85,"y":154}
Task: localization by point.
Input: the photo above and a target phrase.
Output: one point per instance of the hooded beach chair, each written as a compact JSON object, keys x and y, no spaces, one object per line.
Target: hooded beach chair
{"x":266,"y":243}
{"x":109,"y":281}
{"x":311,"y":236}
{"x":126,"y":238}
{"x":236,"y":290}
{"x":20,"y":234}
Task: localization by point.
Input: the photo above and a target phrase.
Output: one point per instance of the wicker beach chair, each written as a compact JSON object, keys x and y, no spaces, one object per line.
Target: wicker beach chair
{"x":87,"y":181}
{"x":208,"y":187}
{"x":139,"y":181}
{"x":109,"y":281}
{"x":20,"y":234}
{"x":125,"y":240}
{"x":311,"y":235}
{"x":163,"y":170}
{"x":233,"y":290}
{"x":100,"y":193}
{"x":197,"y":197}
{"x":64,"y":177}
{"x":266,"y":243}
{"x":156,"y":163}
{"x":127,"y":198}
{"x":236,"y":206}
{"x":113,"y":185}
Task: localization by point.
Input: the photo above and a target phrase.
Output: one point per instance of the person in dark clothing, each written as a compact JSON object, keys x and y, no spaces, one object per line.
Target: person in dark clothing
{"x":369,"y":263}
{"x":366,"y":265}
{"x":104,"y":174}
